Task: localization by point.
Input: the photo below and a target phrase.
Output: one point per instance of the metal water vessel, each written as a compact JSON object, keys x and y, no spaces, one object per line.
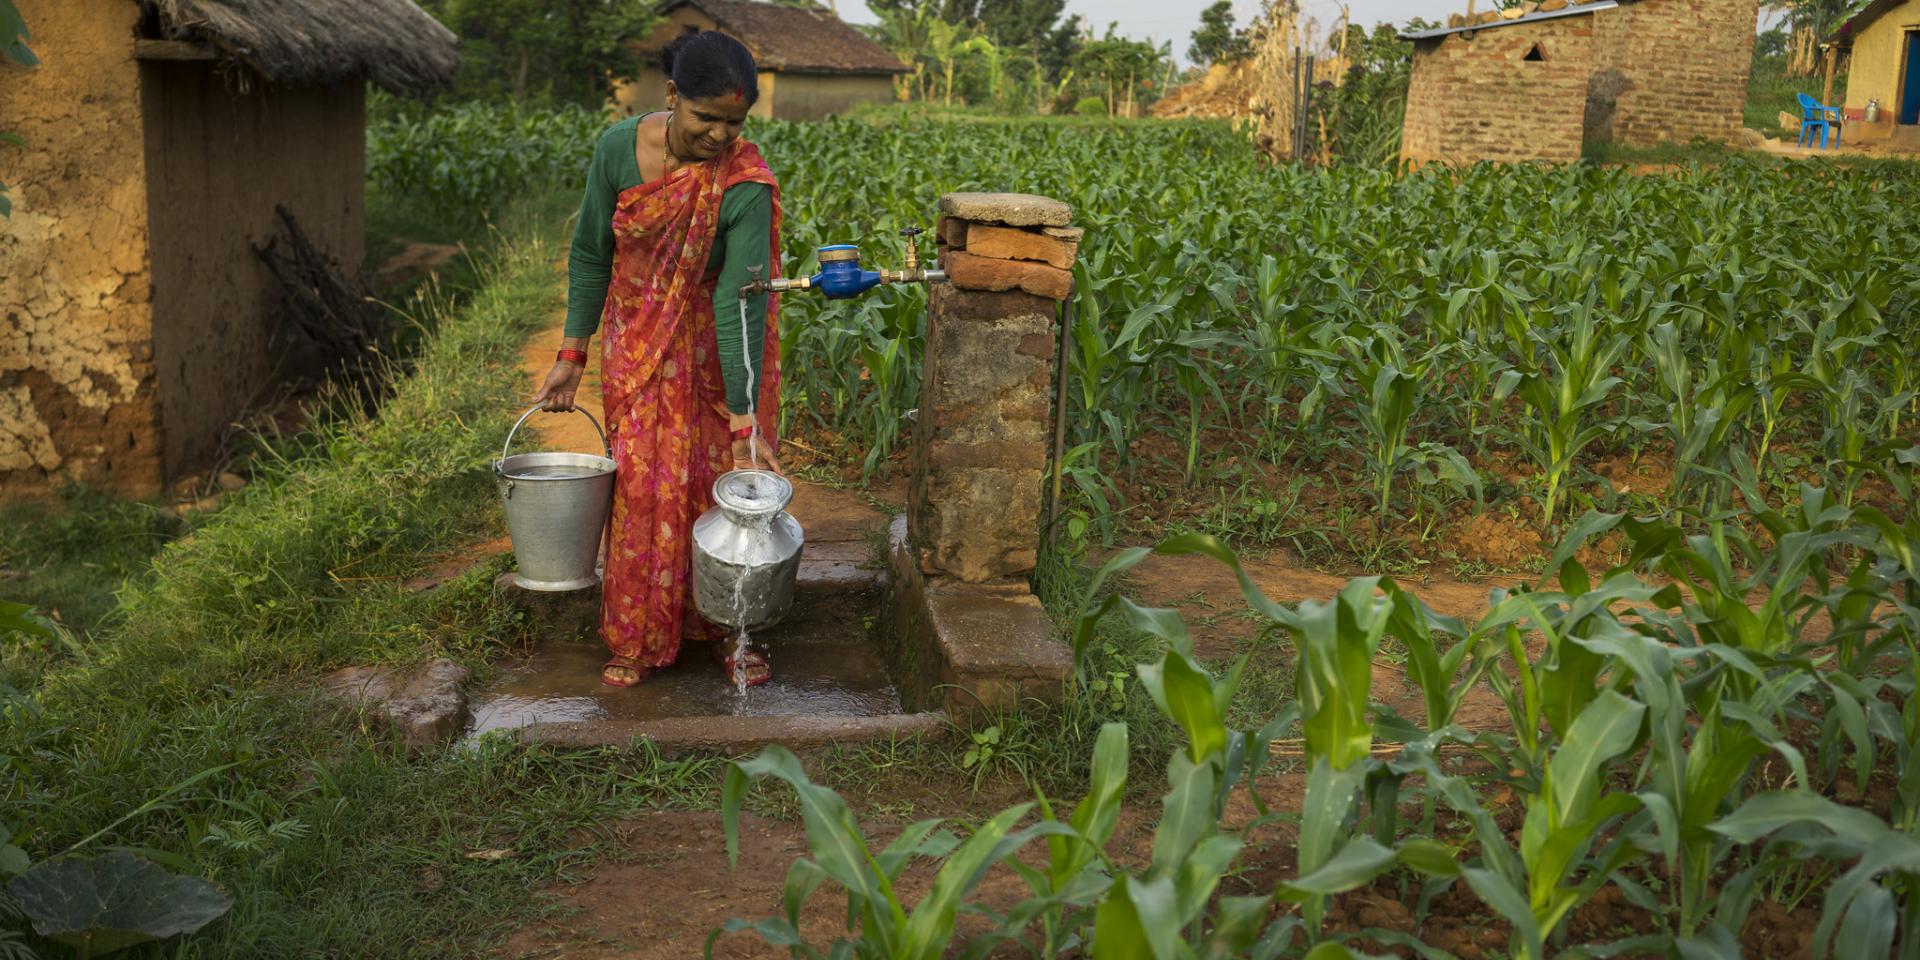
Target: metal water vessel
{"x":556,"y":506}
{"x":746,"y":551}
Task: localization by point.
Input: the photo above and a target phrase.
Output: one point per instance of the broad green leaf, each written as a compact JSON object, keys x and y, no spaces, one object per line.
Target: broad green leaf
{"x":114,"y":902}
{"x":1186,"y":813}
{"x":929,"y":927}
{"x":1184,"y":691}
{"x":1118,"y":933}
{"x":1099,"y":811}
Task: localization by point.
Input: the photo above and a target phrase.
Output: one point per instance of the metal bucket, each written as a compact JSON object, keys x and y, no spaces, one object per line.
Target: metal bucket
{"x":556,"y":507}
{"x":746,"y":551}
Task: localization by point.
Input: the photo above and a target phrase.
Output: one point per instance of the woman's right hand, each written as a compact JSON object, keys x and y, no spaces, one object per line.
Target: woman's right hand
{"x":562,"y":382}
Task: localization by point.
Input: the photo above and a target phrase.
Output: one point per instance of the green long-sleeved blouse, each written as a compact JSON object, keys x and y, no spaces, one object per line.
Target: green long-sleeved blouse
{"x":746,"y":220}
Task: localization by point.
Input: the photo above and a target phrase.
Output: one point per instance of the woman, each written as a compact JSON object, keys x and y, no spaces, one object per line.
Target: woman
{"x":677,"y":209}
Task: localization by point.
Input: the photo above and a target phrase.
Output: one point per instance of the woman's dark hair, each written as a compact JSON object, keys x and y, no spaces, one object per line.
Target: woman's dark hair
{"x":709,"y":64}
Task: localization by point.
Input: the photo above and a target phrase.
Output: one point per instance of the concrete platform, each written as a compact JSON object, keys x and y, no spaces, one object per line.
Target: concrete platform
{"x":964,"y":648}
{"x":831,"y":682}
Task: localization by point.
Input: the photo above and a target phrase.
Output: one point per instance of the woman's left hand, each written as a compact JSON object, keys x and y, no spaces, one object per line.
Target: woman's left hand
{"x":744,"y":448}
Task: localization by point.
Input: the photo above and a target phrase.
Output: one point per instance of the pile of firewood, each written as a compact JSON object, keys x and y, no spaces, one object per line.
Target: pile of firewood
{"x":328,"y":328}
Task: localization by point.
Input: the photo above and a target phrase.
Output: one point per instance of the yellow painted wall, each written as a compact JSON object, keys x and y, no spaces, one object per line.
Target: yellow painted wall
{"x":1875,"y":69}
{"x":77,"y":385}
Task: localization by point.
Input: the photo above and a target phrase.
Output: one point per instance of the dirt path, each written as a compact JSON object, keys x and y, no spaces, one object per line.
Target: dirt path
{"x":673,"y":886}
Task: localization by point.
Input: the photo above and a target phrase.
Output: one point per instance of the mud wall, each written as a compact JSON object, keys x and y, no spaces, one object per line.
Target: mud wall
{"x":646,"y":90}
{"x":218,"y":160}
{"x":813,"y":96}
{"x":76,"y":375}
{"x":1477,"y":96}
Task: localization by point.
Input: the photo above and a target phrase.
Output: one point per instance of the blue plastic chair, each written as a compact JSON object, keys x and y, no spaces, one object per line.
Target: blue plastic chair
{"x":1815,"y":115}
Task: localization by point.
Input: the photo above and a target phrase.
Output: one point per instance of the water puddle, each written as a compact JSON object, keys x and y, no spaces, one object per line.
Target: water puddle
{"x":827,"y":667}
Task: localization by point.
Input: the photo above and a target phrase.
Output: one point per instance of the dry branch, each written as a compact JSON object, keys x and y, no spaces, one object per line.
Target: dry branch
{"x":326,"y":325}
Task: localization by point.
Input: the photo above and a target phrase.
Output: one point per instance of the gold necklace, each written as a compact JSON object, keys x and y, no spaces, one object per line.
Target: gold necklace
{"x":666,"y":146}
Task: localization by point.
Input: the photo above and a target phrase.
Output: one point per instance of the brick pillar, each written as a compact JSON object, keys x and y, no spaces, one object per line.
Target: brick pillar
{"x":980,"y":440}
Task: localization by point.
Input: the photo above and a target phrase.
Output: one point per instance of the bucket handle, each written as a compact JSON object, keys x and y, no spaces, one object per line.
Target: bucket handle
{"x":602,"y":434}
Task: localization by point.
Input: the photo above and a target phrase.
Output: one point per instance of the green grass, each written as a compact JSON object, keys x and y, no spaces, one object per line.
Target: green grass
{"x":1770,"y":91}
{"x":68,"y":557}
{"x":1696,"y":151}
{"x":197,"y":693}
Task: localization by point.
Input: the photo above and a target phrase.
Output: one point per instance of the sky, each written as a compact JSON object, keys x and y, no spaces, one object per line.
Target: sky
{"x":1175,"y":20}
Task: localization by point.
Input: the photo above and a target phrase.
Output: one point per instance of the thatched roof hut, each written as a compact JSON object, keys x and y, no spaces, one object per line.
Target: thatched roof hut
{"x":811,"y":62}
{"x":137,"y":325}
{"x":305,"y":42}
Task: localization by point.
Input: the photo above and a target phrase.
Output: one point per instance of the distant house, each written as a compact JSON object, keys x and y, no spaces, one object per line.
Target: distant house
{"x":812,"y":63}
{"x":1538,"y":81}
{"x":159,"y":136}
{"x":1884,"y":40}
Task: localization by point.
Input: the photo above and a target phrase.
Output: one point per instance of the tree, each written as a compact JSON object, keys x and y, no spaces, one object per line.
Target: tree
{"x":904,"y":32}
{"x":1809,"y":24}
{"x":13,"y":46}
{"x":562,"y":51}
{"x":1217,"y":41}
{"x":947,"y":43}
{"x":1117,"y":65}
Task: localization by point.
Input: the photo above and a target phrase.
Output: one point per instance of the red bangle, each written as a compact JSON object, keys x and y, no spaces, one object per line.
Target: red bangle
{"x":744,"y":433}
{"x":574,"y":356}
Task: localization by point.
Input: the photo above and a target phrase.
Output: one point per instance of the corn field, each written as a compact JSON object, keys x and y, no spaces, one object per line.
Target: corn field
{"x":1436,"y":344}
{"x":1717,"y":726}
{"x":1689,"y":749}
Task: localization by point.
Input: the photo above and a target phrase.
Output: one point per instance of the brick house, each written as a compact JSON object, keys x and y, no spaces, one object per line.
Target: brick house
{"x":812,"y":64}
{"x":136,"y":323}
{"x":1539,"y":81}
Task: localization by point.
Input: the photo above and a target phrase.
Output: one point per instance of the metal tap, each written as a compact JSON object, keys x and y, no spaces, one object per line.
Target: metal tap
{"x":841,"y":276}
{"x":911,"y":271}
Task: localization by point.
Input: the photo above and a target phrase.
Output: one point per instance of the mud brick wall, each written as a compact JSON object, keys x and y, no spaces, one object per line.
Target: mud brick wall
{"x":1474,"y":96}
{"x":981,"y":434}
{"x":76,"y":352}
{"x":218,"y":160}
{"x":1671,"y":70}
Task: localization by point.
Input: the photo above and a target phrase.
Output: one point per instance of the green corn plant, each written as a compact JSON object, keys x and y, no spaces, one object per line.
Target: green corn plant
{"x":1564,"y":394}
{"x":1697,"y":417}
{"x":1077,"y":872}
{"x":1444,"y":672}
{"x":1336,"y":642}
{"x":1385,"y":409}
{"x":1561,"y":862}
{"x":1870,"y":905}
{"x":884,"y":927}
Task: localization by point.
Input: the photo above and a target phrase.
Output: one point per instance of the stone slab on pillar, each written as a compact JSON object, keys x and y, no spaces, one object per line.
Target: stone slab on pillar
{"x":986,"y":397}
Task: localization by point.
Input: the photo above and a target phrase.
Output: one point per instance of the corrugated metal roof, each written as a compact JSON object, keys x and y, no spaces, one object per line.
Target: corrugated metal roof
{"x":1862,"y":20}
{"x":1571,"y":10}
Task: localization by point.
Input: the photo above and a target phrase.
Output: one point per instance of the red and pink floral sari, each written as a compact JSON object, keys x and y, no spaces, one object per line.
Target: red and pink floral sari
{"x":665,"y":399}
